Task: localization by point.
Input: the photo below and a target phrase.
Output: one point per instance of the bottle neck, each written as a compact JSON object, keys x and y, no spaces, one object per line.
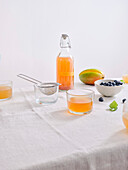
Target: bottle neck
{"x":66,"y":49}
{"x":65,"y":46}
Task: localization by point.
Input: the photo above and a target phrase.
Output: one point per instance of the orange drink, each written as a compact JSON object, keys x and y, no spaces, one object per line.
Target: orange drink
{"x":125,"y":119}
{"x":65,"y":73}
{"x":80,"y":104}
{"x":125,"y":78}
{"x":65,"y":65}
{"x":5,"y":90}
{"x":80,"y":101}
{"x":125,"y":114}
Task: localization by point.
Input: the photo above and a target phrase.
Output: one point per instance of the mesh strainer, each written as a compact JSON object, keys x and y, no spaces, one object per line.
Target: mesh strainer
{"x":45,"y":88}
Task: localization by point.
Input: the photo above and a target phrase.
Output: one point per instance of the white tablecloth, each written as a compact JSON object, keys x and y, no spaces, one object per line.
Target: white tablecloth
{"x":36,"y":137}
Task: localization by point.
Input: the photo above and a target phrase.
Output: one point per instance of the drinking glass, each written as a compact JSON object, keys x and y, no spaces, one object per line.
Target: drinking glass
{"x":125,"y":78}
{"x":80,"y":101}
{"x":5,"y":90}
{"x":46,"y":93}
{"x":125,"y":114}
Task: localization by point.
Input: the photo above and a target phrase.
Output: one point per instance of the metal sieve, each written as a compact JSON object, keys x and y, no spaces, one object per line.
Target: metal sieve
{"x":45,"y":88}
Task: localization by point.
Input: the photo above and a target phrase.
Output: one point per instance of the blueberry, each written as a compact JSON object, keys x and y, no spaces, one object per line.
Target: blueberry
{"x":123,"y":100}
{"x":101,"y":83}
{"x":118,"y":84}
{"x":106,"y":84}
{"x":109,"y":84}
{"x":101,"y":99}
{"x":115,"y":81}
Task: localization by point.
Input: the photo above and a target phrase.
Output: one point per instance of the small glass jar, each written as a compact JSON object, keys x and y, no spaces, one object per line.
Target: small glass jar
{"x":80,"y":101}
{"x":5,"y":90}
{"x":46,"y":93}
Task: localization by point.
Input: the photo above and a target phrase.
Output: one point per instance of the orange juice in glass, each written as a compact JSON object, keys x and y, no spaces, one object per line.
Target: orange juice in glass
{"x":5,"y":90}
{"x":125,"y":78}
{"x":125,"y":114}
{"x":80,"y":101}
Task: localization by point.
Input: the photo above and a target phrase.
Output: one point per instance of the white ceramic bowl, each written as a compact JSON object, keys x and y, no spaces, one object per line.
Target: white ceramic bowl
{"x":107,"y":90}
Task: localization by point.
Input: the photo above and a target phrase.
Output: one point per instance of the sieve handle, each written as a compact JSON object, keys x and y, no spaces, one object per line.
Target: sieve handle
{"x":23,"y":76}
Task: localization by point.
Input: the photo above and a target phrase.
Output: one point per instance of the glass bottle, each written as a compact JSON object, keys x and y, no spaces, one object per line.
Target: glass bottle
{"x":65,"y":65}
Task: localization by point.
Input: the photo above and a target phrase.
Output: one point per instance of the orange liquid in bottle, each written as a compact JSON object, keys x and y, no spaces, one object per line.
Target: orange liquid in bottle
{"x":65,"y":73}
{"x":80,"y":104}
{"x":5,"y":92}
{"x":125,"y":119}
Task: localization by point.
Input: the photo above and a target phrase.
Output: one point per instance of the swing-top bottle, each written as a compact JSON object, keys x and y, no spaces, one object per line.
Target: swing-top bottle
{"x":65,"y":65}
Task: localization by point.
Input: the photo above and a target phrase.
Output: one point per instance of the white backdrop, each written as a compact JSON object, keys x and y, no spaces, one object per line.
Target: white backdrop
{"x":30,"y":32}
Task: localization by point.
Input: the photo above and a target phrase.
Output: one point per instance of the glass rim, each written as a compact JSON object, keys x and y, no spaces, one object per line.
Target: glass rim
{"x":3,"y":82}
{"x":91,"y":92}
{"x":125,"y":107}
{"x":47,"y":85}
{"x":125,"y":103}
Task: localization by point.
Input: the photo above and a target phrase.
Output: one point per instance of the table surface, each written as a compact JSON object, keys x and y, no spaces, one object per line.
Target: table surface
{"x":37,"y":137}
